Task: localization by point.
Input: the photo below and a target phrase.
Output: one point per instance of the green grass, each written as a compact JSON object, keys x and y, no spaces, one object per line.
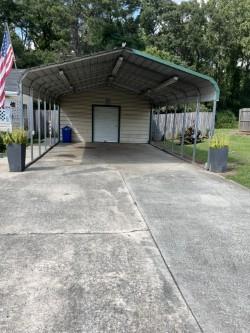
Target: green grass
{"x":239,"y":154}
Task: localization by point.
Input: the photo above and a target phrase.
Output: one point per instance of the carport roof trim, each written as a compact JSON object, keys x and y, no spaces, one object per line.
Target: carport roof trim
{"x":135,"y":52}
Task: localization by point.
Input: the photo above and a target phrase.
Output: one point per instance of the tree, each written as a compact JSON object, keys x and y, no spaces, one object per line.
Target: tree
{"x":211,"y":36}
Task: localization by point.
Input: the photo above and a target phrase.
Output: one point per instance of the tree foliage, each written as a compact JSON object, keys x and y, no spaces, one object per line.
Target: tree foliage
{"x":210,"y":36}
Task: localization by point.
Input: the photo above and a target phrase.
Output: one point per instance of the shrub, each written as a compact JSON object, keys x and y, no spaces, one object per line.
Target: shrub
{"x":219,"y":141}
{"x":189,"y":135}
{"x":2,"y":145}
{"x":18,"y":136}
{"x":226,"y":119}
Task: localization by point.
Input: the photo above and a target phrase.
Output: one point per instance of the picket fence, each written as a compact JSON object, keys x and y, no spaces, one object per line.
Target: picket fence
{"x":165,"y":122}
{"x":244,"y":120}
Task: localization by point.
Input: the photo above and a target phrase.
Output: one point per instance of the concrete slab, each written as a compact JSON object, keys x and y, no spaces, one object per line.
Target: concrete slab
{"x":201,"y":224}
{"x":88,"y":283}
{"x":52,"y":196}
{"x":76,"y":254}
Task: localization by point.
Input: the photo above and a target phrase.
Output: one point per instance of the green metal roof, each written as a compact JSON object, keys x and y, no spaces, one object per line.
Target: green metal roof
{"x":139,"y":73}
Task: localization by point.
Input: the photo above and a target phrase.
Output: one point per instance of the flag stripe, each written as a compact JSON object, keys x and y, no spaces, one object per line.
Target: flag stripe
{"x":6,"y":60}
{"x":2,"y":98}
{"x":6,"y":63}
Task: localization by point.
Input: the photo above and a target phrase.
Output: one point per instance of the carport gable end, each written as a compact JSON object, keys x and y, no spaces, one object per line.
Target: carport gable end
{"x":127,"y":78}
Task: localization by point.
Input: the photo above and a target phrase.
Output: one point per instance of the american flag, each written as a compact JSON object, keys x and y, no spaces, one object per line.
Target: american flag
{"x":6,"y":62}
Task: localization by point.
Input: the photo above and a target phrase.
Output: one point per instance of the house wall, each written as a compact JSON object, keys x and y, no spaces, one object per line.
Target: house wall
{"x":10,"y":114}
{"x":76,"y":111}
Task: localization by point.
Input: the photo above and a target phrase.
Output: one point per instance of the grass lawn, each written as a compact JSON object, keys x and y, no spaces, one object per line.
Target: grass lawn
{"x":239,"y":155}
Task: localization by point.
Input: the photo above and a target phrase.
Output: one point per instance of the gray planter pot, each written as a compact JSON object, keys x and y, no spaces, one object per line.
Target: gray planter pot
{"x":16,"y":157}
{"x":218,"y":159}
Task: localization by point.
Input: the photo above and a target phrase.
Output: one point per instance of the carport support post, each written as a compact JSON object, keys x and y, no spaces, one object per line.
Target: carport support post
{"x":158,"y":122}
{"x":54,"y":124}
{"x":213,"y":119}
{"x":151,"y":125}
{"x":39,"y":123}
{"x":165,"y":124}
{"x":45,"y":124}
{"x":31,"y":123}
{"x":58,"y":123}
{"x":183,"y":129}
{"x":50,"y":123}
{"x":154,"y":123}
{"x":211,"y":133}
{"x":20,"y":106}
{"x":173,"y":129}
{"x":196,"y":127}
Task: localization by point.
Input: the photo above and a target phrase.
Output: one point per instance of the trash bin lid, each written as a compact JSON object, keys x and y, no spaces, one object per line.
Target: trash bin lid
{"x":66,"y":128}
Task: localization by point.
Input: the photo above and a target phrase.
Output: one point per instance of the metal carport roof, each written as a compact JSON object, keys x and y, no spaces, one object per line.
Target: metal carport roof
{"x":162,"y":82}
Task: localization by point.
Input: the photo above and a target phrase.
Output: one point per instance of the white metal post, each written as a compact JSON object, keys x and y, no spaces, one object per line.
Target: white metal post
{"x":50,"y":123}
{"x":183,"y":130}
{"x":39,"y":123}
{"x":165,"y":124}
{"x":54,"y":124}
{"x":20,"y":106}
{"x":31,"y":124}
{"x":213,"y":118}
{"x":158,"y":123}
{"x":59,"y":122}
{"x":151,"y":125}
{"x":211,"y":133}
{"x":45,"y":124}
{"x":173,"y":129}
{"x":196,"y":128}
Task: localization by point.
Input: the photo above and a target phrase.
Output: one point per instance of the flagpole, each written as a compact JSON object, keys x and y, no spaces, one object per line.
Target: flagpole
{"x":8,"y":31}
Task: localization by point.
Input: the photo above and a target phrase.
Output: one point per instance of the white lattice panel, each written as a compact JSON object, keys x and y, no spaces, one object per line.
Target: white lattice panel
{"x":5,"y":119}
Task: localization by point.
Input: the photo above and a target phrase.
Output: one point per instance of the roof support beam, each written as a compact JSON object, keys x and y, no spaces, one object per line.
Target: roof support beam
{"x":117,"y":66}
{"x":64,"y":78}
{"x":167,"y":83}
{"x":124,"y":86}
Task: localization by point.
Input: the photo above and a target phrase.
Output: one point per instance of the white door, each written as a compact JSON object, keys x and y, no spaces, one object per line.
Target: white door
{"x":106,"y":124}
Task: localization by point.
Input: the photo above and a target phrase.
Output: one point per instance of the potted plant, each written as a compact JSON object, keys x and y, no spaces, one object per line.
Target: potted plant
{"x":218,"y":153}
{"x":16,"y":149}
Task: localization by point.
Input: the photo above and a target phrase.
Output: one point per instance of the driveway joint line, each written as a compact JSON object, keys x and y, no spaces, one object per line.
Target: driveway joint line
{"x":74,"y":233}
{"x":165,"y":262}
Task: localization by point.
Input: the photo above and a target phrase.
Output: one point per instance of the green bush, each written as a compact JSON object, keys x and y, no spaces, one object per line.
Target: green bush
{"x":219,"y":141}
{"x":18,"y":136}
{"x":2,"y":145}
{"x":226,"y":119}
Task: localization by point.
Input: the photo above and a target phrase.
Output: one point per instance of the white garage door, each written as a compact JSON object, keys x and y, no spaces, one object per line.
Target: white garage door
{"x":106,"y":124}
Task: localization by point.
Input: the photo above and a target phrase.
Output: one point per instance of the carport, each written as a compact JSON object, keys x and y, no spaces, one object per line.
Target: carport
{"x":108,"y":96}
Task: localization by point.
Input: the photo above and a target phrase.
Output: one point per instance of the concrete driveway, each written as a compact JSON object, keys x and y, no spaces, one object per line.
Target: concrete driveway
{"x":122,"y":238}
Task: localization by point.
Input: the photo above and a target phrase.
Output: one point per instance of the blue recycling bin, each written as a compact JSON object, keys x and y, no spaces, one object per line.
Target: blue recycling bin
{"x":67,"y":134}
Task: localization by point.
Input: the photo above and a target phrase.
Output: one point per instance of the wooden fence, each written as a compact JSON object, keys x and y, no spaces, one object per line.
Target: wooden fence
{"x":171,"y":123}
{"x":244,"y":120}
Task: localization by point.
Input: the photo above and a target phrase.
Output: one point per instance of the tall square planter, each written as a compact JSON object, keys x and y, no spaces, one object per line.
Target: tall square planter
{"x":16,"y":157}
{"x":218,"y":159}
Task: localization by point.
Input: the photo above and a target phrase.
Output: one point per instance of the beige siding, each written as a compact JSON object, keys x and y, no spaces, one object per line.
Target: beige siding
{"x":76,"y":111}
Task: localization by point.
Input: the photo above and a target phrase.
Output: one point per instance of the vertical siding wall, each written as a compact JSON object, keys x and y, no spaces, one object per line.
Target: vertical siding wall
{"x":76,"y":111}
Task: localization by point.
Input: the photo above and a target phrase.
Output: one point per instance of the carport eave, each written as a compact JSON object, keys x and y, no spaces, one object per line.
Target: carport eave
{"x":180,"y":68}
